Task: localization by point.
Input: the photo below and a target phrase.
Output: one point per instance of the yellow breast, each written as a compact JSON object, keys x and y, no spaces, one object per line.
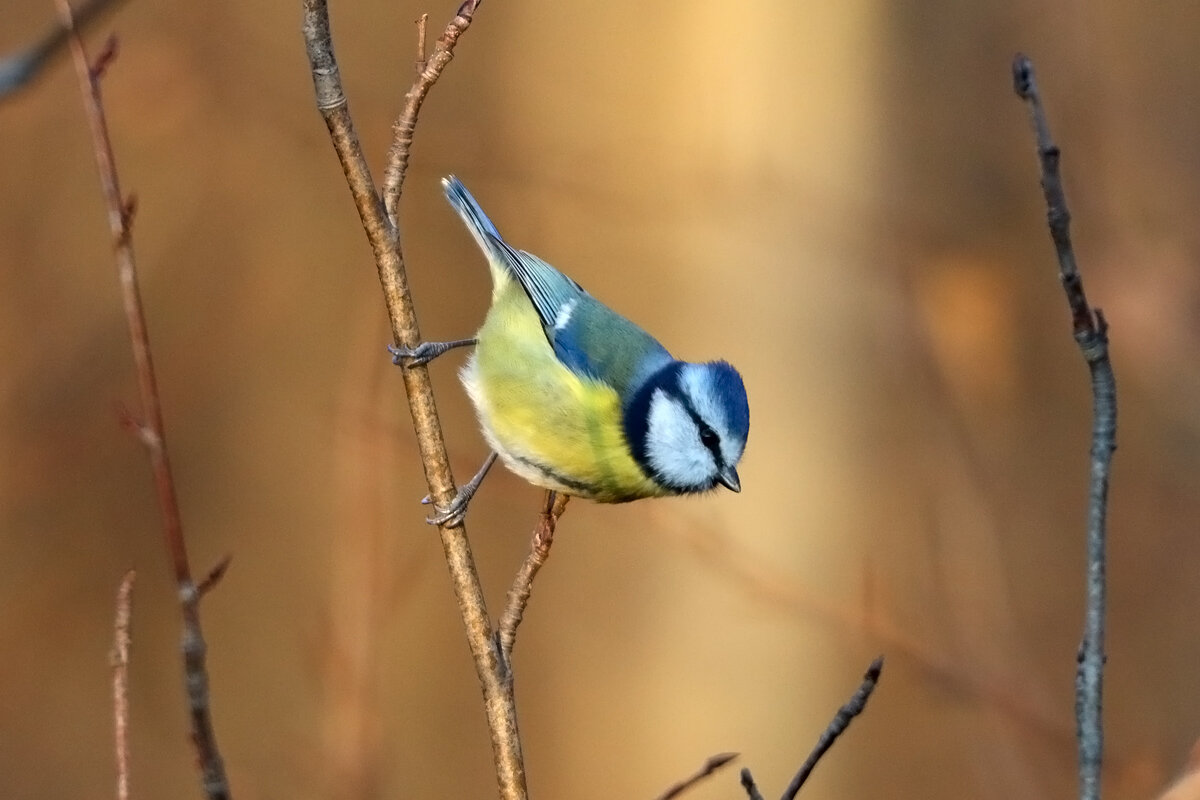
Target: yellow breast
{"x":548,"y":425}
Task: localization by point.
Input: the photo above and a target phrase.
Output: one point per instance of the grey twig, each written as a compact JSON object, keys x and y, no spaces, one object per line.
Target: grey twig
{"x":749,"y":785}
{"x":150,"y":428}
{"x":384,"y":237}
{"x":841,"y":720}
{"x":1091,"y":334}
{"x":710,"y":766}
{"x":18,"y":69}
{"x":119,"y":659}
{"x":522,"y":587}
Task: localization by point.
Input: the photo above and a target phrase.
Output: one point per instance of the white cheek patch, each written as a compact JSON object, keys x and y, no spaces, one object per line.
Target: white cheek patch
{"x":692,"y":380}
{"x":563,"y":317}
{"x":673,"y":445}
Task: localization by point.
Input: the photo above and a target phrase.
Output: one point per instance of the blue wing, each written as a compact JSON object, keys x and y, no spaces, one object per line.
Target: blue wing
{"x":587,"y":336}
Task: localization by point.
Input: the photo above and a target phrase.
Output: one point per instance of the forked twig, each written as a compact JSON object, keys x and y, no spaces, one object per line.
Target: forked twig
{"x":384,"y":237}
{"x":429,"y":69}
{"x":151,"y":430}
{"x":119,"y":659}
{"x":20,"y":68}
{"x":1091,"y":334}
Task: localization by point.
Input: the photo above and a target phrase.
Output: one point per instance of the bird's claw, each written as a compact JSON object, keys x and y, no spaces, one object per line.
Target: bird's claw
{"x":414,"y":356}
{"x":453,"y":515}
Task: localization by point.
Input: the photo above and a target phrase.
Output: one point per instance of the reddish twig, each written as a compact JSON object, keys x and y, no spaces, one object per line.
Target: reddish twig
{"x":1091,"y":334}
{"x":522,"y":584}
{"x":150,"y":428}
{"x":522,"y":587}
{"x":119,"y":659}
{"x":19,"y":69}
{"x":429,"y":69}
{"x":383,"y":235}
{"x":214,"y":575}
{"x":710,"y":766}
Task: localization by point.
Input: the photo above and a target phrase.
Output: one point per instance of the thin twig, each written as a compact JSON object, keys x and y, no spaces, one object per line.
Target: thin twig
{"x":119,"y":659}
{"x":1091,"y":334}
{"x":710,"y":766}
{"x":429,"y":69}
{"x":383,"y":235}
{"x":214,"y":575}
{"x":422,"y":32}
{"x":19,"y":69}
{"x":522,"y":587}
{"x":151,"y":428}
{"x":749,"y":785}
{"x":841,"y":720}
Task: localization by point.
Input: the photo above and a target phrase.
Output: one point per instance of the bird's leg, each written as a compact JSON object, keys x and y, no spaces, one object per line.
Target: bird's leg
{"x":424,"y":352}
{"x":454,"y":514}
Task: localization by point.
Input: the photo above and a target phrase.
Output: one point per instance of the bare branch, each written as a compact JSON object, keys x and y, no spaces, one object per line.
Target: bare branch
{"x":385,"y":243}
{"x":522,"y":587}
{"x":710,"y":766}
{"x":428,"y":71}
{"x":841,"y":720}
{"x":19,"y":69}
{"x":422,"y":31}
{"x":750,"y":786}
{"x":151,"y":428}
{"x":1091,"y":334}
{"x":214,"y":575}
{"x":119,"y":659}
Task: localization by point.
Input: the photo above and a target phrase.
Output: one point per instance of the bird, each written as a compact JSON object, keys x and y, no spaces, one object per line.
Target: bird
{"x":575,"y":398}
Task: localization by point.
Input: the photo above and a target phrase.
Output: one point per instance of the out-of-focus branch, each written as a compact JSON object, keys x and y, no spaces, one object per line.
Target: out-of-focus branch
{"x":1091,"y":334}
{"x":385,"y":242}
{"x":119,"y":659}
{"x":747,"y":779}
{"x":150,"y":428}
{"x":841,"y":720}
{"x":710,"y":766}
{"x":522,"y":587}
{"x":20,"y":68}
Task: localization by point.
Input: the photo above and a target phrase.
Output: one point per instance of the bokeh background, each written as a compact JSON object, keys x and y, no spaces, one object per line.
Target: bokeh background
{"x":840,"y":198}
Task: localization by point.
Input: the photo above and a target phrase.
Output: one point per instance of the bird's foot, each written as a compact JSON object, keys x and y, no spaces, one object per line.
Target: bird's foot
{"x":424,"y":352}
{"x":452,"y":516}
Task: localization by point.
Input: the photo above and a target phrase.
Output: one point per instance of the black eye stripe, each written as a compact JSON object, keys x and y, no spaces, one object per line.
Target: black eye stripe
{"x":708,"y":437}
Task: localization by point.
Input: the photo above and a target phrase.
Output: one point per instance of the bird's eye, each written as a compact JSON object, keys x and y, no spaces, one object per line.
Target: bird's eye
{"x":708,"y":437}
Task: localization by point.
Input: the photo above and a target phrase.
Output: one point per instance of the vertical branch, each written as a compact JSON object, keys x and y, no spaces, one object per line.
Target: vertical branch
{"x":150,"y":428}
{"x":1091,"y":334}
{"x":119,"y":658}
{"x":383,"y":235}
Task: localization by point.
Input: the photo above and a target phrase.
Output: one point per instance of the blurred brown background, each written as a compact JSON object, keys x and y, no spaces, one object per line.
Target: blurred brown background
{"x":841,"y":199}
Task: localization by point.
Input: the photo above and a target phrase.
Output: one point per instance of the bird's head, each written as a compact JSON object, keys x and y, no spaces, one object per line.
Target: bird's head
{"x":688,"y":425}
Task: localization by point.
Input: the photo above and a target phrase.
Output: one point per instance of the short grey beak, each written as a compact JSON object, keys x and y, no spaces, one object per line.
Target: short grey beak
{"x":729,"y":479}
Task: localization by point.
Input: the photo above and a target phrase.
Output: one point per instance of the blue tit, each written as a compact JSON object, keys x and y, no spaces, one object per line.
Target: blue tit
{"x":574,"y":397}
